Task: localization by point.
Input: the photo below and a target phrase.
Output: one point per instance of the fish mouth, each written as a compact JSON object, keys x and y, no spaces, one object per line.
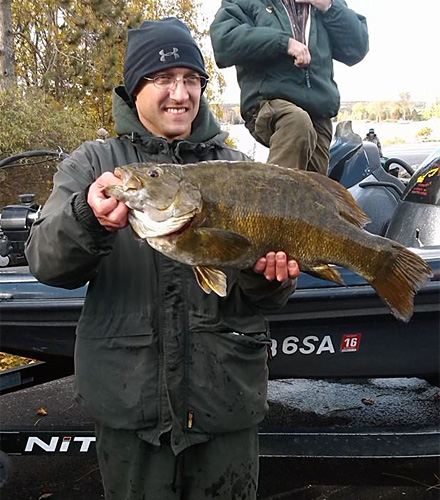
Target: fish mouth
{"x":130,"y":181}
{"x":120,"y":174}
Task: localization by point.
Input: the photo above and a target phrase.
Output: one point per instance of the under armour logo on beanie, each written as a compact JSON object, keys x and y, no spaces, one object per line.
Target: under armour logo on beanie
{"x":174,"y":53}
{"x":159,"y":45}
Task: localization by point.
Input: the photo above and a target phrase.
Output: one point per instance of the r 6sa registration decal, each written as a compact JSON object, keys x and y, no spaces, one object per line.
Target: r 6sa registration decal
{"x":311,"y":344}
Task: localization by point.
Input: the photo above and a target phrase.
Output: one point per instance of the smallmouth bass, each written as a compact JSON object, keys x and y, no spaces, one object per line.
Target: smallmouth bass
{"x":218,"y":214}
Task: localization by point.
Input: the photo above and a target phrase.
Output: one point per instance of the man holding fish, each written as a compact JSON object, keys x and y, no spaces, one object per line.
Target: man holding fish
{"x":174,"y":377}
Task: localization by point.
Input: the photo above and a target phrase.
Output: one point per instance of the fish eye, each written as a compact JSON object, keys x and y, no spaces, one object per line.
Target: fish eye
{"x":154,"y":173}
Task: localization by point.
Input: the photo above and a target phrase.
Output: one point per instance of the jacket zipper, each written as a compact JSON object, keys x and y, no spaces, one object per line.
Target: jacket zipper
{"x":160,"y":329}
{"x":309,"y":85}
{"x":189,"y":413}
{"x":306,"y":70}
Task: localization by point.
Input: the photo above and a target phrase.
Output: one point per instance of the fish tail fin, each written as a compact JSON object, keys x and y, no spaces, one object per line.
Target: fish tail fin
{"x":401,"y":277}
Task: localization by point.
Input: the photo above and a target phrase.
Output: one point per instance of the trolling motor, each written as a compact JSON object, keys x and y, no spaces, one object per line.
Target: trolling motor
{"x":15,"y":224}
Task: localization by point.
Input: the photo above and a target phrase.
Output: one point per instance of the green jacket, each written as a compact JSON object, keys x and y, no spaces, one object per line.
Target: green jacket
{"x":153,"y":351}
{"x":253,"y":35}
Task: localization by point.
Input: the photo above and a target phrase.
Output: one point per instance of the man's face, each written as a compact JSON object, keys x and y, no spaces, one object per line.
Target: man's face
{"x":169,"y":112}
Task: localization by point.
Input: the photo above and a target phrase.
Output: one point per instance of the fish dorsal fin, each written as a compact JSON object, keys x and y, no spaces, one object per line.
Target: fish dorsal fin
{"x":325,"y":272}
{"x":211,"y":279}
{"x":214,"y":244}
{"x":347,"y":206}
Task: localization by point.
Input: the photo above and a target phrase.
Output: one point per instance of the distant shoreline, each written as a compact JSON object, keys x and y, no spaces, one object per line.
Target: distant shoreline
{"x":390,"y":133}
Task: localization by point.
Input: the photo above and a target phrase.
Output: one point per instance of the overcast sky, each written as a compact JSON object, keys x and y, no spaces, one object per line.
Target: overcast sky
{"x":404,"y":45}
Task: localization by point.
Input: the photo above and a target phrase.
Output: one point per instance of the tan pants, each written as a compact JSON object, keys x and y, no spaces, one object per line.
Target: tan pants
{"x":295,"y":139}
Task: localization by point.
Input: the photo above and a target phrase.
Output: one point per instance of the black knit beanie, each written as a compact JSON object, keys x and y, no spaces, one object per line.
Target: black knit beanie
{"x":158,"y":45}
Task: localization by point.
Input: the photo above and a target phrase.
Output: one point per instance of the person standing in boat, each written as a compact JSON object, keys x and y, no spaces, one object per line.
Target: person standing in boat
{"x":283,"y":52}
{"x":372,"y":137}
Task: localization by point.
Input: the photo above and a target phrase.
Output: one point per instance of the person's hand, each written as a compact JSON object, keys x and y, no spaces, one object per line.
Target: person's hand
{"x":321,"y":5}
{"x":111,"y":213}
{"x":276,"y":266}
{"x":299,"y":52}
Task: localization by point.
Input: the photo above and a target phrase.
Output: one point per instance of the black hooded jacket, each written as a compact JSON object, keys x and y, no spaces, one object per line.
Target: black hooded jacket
{"x":154,"y":353}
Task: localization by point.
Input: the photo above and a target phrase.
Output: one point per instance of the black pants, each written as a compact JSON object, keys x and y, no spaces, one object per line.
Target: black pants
{"x":224,"y":468}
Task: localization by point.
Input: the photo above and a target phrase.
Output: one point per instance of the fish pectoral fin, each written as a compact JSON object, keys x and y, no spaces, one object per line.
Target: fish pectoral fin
{"x":325,"y":272}
{"x":211,"y":279}
{"x":215,"y":244}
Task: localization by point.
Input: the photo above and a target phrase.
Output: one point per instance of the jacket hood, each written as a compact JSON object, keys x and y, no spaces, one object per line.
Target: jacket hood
{"x":205,"y":127}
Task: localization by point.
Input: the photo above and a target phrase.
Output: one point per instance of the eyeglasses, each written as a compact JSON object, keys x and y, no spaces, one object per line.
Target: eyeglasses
{"x":168,"y":82}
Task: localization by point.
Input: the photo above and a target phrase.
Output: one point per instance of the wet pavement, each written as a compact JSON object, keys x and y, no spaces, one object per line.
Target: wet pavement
{"x":326,"y":449}
{"x":73,"y":478}
{"x":359,"y":493}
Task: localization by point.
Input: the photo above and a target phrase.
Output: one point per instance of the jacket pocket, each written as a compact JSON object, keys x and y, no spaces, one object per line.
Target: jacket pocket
{"x":228,"y":384}
{"x":117,"y":379}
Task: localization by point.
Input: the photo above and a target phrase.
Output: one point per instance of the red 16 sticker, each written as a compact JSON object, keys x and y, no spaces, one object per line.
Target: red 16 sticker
{"x":351,"y":343}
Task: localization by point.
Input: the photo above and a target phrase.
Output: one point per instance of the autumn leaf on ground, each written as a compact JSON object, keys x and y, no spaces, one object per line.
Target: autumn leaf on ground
{"x":10,"y":361}
{"x":367,"y":401}
{"x":42,"y":411}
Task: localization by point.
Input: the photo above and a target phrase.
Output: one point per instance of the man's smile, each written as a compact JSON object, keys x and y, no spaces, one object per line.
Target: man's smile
{"x":176,"y":111}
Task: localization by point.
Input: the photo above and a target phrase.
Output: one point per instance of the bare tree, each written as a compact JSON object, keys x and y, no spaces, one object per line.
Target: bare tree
{"x":7,"y":74}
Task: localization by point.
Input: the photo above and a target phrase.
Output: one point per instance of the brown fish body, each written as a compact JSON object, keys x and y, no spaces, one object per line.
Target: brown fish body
{"x":239,"y":211}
